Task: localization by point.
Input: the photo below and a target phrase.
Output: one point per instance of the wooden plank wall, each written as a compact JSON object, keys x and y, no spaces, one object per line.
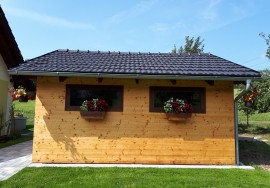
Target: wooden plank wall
{"x":134,"y":135}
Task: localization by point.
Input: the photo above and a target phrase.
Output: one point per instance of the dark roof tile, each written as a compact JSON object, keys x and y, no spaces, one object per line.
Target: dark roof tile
{"x":204,"y":64}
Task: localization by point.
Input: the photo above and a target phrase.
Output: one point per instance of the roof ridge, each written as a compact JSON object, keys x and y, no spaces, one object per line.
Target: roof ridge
{"x":40,"y":56}
{"x":125,"y":52}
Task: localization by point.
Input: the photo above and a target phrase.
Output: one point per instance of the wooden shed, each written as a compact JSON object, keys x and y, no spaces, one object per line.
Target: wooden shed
{"x":135,"y":128}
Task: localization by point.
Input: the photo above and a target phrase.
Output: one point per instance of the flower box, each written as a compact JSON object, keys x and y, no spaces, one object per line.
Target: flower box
{"x":93,"y":114}
{"x":178,"y":116}
{"x":23,"y":98}
{"x":20,"y":123}
{"x":248,"y":103}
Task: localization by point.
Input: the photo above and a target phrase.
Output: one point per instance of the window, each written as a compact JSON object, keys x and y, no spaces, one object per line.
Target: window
{"x":194,"y":96}
{"x":76,"y":94}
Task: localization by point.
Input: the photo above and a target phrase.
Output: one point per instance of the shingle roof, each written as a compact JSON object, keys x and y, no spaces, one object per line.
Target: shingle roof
{"x":8,"y":46}
{"x":81,"y":62}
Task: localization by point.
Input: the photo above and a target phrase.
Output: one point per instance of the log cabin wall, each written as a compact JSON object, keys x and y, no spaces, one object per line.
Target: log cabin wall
{"x":134,"y":135}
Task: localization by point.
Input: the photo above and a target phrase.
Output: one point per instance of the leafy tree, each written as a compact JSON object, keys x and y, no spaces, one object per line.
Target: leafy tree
{"x":263,"y":88}
{"x":248,"y":111}
{"x":192,"y":46}
{"x":262,"y":102}
{"x":267,"y":40}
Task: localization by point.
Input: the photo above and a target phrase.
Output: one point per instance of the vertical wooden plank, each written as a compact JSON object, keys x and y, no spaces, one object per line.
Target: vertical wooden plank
{"x":134,"y":135}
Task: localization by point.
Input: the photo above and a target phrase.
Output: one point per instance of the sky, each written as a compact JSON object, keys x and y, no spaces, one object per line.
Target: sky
{"x":230,"y":28}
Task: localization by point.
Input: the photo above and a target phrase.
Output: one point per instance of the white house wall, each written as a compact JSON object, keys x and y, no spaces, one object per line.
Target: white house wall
{"x":5,"y":98}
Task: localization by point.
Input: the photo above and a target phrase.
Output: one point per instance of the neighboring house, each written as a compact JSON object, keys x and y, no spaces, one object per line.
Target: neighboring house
{"x":135,"y":129}
{"x":10,"y":56}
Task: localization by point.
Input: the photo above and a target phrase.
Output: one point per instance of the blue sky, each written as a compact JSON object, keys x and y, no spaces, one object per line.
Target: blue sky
{"x":230,"y":28}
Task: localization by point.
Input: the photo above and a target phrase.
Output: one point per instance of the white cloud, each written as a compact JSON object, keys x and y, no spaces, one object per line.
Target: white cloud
{"x":161,"y":27}
{"x":217,"y":15}
{"x":138,"y":9}
{"x":208,"y":16}
{"x":145,"y":5}
{"x":47,"y":19}
{"x":210,"y":12}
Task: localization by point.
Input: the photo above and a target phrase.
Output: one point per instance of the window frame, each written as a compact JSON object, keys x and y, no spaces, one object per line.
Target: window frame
{"x":120,"y":94}
{"x":153,"y":89}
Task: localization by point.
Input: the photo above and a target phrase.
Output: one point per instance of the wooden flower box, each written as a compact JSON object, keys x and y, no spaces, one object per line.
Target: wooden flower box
{"x":178,"y":116}
{"x":23,"y":98}
{"x":93,"y":114}
{"x":248,"y":104}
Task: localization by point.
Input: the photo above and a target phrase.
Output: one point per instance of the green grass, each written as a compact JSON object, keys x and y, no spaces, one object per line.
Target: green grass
{"x":259,"y":125}
{"x":136,"y":177}
{"x":255,"y":153}
{"x":262,"y":117}
{"x":28,"y":109}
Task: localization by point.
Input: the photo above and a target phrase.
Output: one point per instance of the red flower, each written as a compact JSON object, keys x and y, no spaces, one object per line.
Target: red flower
{"x":97,"y":105}
{"x":90,"y":106}
{"x":251,"y":95}
{"x":179,"y":106}
{"x":187,"y":108}
{"x":102,"y":105}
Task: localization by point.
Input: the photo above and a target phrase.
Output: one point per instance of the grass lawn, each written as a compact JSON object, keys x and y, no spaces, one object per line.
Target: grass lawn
{"x":255,"y":153}
{"x":136,"y":177}
{"x":259,"y":125}
{"x":28,"y":109}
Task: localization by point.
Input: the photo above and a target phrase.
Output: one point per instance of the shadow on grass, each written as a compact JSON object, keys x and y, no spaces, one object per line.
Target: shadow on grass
{"x":254,"y":152}
{"x":262,"y":130}
{"x":251,"y":129}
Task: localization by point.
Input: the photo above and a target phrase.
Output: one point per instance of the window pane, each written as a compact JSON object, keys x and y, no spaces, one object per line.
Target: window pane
{"x":194,"y":96}
{"x":77,"y":94}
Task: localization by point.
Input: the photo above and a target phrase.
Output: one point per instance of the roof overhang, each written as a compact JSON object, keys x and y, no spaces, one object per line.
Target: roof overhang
{"x":8,"y":46}
{"x":134,"y":76}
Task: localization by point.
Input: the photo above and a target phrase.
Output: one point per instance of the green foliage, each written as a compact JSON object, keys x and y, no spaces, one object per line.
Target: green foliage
{"x":262,"y":102}
{"x":263,"y":88}
{"x":137,"y":177}
{"x":192,"y":46}
{"x":2,"y":123}
{"x":248,"y":111}
{"x":10,"y":124}
{"x":267,"y":41}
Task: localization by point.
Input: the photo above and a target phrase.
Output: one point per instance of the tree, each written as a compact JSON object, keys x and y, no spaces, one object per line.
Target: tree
{"x":267,"y":41}
{"x":262,"y":101}
{"x":192,"y":46}
{"x":249,"y":97}
{"x":263,"y":88}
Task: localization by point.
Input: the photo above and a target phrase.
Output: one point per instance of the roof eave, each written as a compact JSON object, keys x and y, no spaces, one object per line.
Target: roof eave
{"x":135,"y":76}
